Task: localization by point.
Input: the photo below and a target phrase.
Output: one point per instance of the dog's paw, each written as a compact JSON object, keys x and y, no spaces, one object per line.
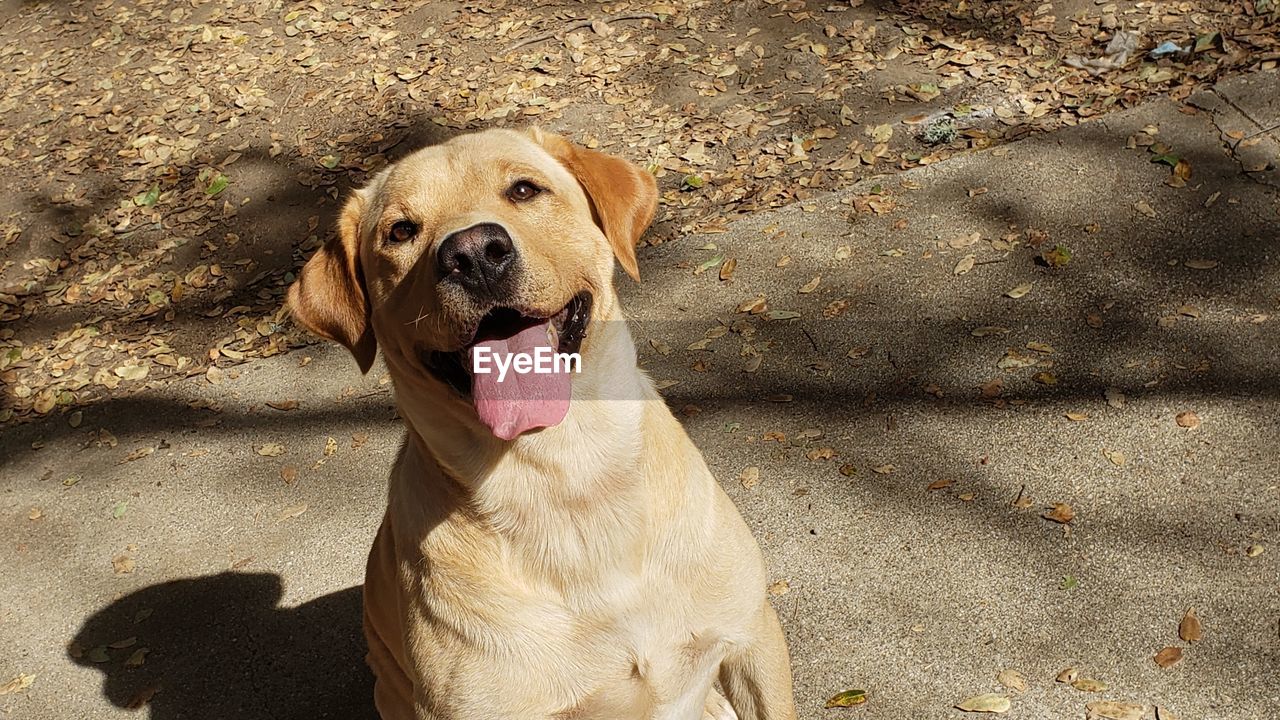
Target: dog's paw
{"x":717,"y":708}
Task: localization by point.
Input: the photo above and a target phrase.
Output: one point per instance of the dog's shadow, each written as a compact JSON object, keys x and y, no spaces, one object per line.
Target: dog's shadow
{"x":219,"y":646}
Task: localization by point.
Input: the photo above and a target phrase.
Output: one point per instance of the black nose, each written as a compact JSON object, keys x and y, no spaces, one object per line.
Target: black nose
{"x":479,"y":258}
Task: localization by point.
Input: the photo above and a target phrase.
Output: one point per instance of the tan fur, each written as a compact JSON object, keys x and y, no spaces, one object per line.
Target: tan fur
{"x":589,"y":571}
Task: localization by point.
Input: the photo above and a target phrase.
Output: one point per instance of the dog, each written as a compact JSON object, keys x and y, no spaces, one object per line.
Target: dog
{"x":554,"y":546}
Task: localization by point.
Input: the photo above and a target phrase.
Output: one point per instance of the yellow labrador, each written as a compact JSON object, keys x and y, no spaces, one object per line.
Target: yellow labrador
{"x":554,"y":546}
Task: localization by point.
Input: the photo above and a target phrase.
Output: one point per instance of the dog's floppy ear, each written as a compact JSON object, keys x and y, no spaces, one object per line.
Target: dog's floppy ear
{"x":623,"y":197}
{"x":329,"y":297}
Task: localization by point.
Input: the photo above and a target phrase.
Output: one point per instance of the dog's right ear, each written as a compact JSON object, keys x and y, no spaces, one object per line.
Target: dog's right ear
{"x":329,"y":296}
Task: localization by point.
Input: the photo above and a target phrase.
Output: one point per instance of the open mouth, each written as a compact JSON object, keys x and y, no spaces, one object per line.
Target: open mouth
{"x":564,"y":330}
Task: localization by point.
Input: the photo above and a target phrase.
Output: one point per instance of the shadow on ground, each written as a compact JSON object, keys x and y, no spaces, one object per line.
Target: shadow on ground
{"x":221,"y":646}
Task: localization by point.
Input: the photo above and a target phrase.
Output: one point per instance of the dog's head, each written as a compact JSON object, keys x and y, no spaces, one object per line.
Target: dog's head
{"x":491,"y":245}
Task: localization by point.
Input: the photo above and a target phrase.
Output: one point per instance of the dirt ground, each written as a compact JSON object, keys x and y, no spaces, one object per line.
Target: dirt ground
{"x":168,"y":167}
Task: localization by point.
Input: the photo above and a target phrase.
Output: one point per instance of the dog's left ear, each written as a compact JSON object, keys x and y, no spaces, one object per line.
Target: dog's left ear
{"x":623,"y":197}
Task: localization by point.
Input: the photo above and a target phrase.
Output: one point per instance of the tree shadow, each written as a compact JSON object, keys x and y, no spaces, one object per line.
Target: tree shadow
{"x":221,"y":646}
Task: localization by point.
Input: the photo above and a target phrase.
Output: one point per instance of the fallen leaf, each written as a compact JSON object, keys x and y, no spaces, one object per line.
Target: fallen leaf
{"x":1201,"y":264}
{"x":1076,"y":416}
{"x":1056,"y":257}
{"x":1117,"y":457}
{"x":292,"y":511}
{"x":122,"y":564}
{"x":1089,"y":685}
{"x":283,"y":404}
{"x":887,"y":469}
{"x":1060,"y":513}
{"x":1187,"y":419}
{"x":750,"y":477}
{"x":1023,"y":500}
{"x":727,"y":268}
{"x":1254,"y":551}
{"x":964,"y":265}
{"x":137,"y":659}
{"x":289,"y":474}
{"x":18,"y":684}
{"x":1115,"y":397}
{"x":1189,"y":629}
{"x":1013,"y":680}
{"x":848,"y":698}
{"x":1068,"y":675}
{"x":1112,"y":710}
{"x":271,"y":450}
{"x":964,"y":241}
{"x":714,"y":261}
{"x":1018,"y":291}
{"x":1169,"y":657}
{"x":940,"y":484}
{"x":811,"y":285}
{"x":1143,"y":207}
{"x":780,"y":587}
{"x":985,"y":703}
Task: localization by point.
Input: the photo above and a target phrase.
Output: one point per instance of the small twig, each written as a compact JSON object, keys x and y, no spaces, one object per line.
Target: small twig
{"x":811,"y":341}
{"x":579,"y":24}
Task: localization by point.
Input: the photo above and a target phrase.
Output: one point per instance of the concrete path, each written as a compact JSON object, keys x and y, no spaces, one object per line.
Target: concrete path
{"x":197,"y":551}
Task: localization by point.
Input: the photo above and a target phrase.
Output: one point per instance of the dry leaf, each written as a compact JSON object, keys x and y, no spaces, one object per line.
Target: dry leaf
{"x":1069,"y":675}
{"x":138,"y":658}
{"x":1115,"y":397}
{"x":965,"y":265}
{"x":1076,"y":416}
{"x":848,"y":698}
{"x":1189,"y":629}
{"x":1187,"y":419}
{"x":811,"y":285}
{"x":292,"y":511}
{"x":1116,"y":457}
{"x":1169,"y":657}
{"x":271,"y":450}
{"x":18,"y":684}
{"x":887,"y":469}
{"x":780,"y":587}
{"x":750,"y":477}
{"x":1112,"y":710}
{"x":122,"y":564}
{"x":1201,"y":264}
{"x":1018,"y":291}
{"x":1254,"y":551}
{"x":1013,"y":680}
{"x":940,"y":484}
{"x":1060,"y":513}
{"x":289,"y":474}
{"x":726,"y":270}
{"x":283,"y":404}
{"x":1089,"y":685}
{"x":985,"y":703}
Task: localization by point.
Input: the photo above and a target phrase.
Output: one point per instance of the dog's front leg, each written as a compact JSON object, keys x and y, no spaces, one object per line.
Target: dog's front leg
{"x":757,"y":677}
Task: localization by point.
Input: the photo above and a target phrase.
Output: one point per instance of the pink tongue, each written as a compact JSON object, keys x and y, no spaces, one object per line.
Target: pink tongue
{"x":521,"y":401}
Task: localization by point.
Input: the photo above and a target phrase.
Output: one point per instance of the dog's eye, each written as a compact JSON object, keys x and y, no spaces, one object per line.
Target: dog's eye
{"x":522,"y":191}
{"x":402,"y":232}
